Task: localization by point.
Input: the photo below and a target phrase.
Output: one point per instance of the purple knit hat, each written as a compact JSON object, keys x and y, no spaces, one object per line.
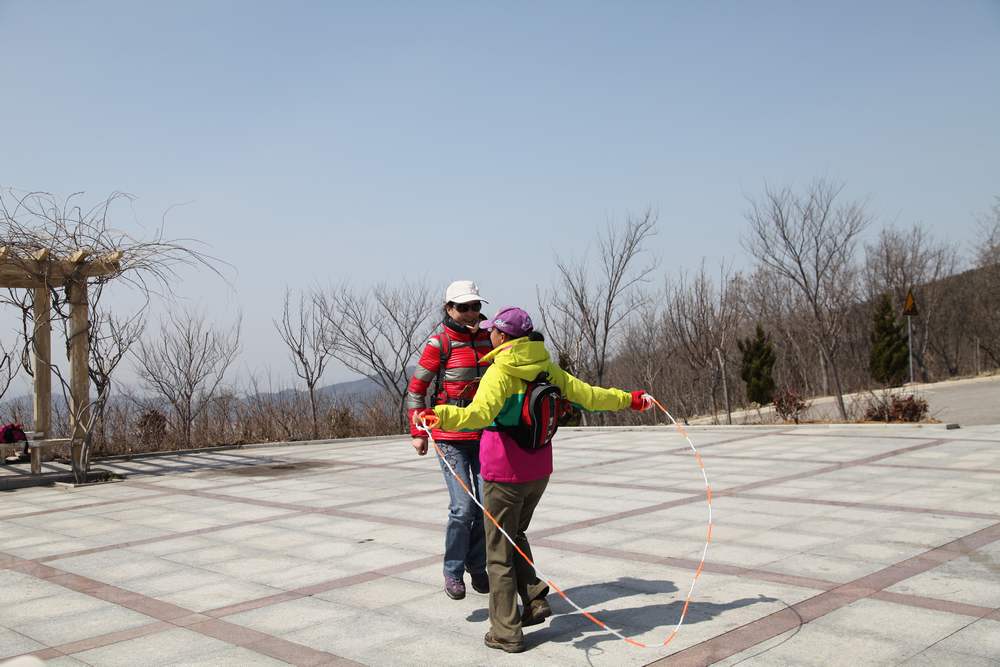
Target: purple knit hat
{"x":510,"y":320}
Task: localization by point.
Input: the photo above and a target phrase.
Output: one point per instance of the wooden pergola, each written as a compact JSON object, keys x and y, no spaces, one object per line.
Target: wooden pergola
{"x":40,"y":271}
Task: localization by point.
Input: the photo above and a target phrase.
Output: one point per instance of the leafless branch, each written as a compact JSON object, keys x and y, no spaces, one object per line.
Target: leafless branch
{"x":809,"y":239}
{"x":311,"y":340}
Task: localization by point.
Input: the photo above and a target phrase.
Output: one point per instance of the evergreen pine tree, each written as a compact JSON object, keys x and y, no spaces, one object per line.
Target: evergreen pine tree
{"x":757,"y":366}
{"x":890,"y":353}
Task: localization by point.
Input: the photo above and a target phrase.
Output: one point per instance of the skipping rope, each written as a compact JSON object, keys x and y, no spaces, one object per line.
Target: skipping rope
{"x":426,"y":425}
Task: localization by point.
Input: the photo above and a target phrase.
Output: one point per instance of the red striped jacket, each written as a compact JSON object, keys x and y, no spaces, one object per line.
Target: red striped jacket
{"x":459,"y":378}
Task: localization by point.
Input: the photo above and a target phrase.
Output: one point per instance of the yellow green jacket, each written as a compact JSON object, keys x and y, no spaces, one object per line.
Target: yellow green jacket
{"x":498,"y":402}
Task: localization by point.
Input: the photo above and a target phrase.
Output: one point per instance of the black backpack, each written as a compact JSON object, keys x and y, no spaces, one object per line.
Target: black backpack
{"x":541,"y":412}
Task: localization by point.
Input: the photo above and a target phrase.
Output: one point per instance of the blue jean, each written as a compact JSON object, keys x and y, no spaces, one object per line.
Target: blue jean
{"x":464,"y":538}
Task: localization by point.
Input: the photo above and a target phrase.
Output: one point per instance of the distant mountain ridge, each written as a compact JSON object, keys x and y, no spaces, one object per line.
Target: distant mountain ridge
{"x":356,"y":389}
{"x":360,"y":388}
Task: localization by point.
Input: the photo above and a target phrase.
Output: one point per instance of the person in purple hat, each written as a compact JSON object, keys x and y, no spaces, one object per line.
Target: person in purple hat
{"x":521,"y":385}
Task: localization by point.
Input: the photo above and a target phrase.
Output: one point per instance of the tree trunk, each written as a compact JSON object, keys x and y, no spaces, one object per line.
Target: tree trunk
{"x":187,"y":428}
{"x":839,"y":394}
{"x":312,"y":405}
{"x":402,"y":413}
{"x":725,"y":387}
{"x":712,"y":393}
{"x":824,"y":372}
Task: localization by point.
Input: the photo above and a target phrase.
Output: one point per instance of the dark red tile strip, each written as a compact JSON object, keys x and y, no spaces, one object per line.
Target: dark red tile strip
{"x":101,"y":641}
{"x":689,"y":564}
{"x":958,"y":608}
{"x":775,"y":459}
{"x":166,"y":537}
{"x":878,"y":507}
{"x":557,"y":480}
{"x":324,"y":586}
{"x":906,"y":466}
{"x":751,"y":634}
{"x":250,"y":605}
{"x":306,"y":509}
{"x":56,"y":510}
{"x":168,"y":616}
{"x":830,"y":468}
{"x":741,"y":438}
{"x":597,"y":521}
{"x":296,"y":654}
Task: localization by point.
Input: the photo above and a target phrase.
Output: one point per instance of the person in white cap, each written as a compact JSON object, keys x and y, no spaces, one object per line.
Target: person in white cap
{"x":452,"y":360}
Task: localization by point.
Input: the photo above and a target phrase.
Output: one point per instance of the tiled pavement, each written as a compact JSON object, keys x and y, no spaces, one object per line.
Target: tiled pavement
{"x":842,"y":545}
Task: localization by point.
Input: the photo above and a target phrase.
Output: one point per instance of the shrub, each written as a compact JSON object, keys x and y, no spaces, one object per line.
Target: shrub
{"x":152,"y":427}
{"x":789,"y":404}
{"x":896,"y":408}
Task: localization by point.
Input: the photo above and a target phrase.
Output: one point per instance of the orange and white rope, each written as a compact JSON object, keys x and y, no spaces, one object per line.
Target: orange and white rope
{"x":701,"y":564}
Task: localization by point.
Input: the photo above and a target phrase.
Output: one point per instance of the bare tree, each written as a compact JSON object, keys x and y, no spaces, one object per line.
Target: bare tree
{"x":563,"y":334}
{"x":644,"y":359}
{"x":703,"y":320}
{"x":46,"y":234}
{"x":8,"y":369}
{"x":594,"y":307}
{"x":272,"y":414}
{"x":774,"y":300}
{"x":986,"y":323}
{"x":185,"y":365}
{"x":378,"y":332}
{"x":987,"y":249}
{"x":311,"y":340}
{"x":904,"y":260}
{"x":809,"y":239}
{"x":111,"y":339}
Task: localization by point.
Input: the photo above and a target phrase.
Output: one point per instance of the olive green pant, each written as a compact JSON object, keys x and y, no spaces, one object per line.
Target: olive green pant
{"x":510,"y":575}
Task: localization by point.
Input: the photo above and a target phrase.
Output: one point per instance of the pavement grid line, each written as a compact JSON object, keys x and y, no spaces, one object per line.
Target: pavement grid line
{"x":26,"y":565}
{"x":751,"y":634}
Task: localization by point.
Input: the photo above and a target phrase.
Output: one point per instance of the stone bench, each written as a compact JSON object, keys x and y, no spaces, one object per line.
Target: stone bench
{"x":36,"y":443}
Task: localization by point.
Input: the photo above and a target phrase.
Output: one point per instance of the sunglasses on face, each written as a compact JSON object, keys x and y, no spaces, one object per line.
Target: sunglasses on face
{"x":474,"y":306}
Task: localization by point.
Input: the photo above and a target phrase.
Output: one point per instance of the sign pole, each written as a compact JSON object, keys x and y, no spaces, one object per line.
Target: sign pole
{"x":909,"y":343}
{"x":910,"y":309}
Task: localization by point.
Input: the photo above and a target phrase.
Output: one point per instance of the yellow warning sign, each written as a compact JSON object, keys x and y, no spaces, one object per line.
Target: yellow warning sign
{"x":910,"y":305}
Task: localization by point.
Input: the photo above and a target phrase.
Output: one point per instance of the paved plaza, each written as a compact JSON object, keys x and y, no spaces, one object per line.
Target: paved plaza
{"x":843,"y":545}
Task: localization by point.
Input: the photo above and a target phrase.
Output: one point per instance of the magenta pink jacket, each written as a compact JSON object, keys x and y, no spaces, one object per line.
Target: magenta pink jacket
{"x":503,"y":460}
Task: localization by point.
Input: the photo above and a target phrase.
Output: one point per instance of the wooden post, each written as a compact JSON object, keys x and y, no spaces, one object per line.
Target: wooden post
{"x":42,"y":348}
{"x":79,"y":354}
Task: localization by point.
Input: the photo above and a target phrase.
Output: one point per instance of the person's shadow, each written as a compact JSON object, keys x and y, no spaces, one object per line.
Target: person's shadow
{"x":568,"y":625}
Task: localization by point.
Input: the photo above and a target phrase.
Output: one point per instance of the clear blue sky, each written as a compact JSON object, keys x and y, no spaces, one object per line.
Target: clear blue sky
{"x":317,"y":141}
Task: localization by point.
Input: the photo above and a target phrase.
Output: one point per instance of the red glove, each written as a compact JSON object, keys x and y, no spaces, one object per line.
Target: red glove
{"x":641,"y":401}
{"x":425,"y":417}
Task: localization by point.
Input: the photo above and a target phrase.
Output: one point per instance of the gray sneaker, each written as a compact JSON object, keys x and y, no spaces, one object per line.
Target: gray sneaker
{"x":454,"y":588}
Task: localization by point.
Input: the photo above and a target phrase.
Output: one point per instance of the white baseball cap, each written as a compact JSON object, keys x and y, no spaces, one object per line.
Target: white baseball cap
{"x":463,"y":291}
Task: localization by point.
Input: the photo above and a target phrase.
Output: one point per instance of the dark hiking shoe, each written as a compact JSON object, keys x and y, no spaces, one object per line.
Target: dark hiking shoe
{"x":480,"y":582}
{"x":503,"y":646}
{"x":536,"y":612}
{"x":454,"y":588}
